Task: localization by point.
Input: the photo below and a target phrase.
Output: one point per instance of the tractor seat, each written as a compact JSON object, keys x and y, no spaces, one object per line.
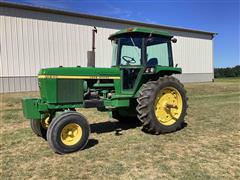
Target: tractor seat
{"x":152,"y":62}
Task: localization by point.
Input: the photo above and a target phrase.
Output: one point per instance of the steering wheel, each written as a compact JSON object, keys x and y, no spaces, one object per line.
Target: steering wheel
{"x":129,"y":59}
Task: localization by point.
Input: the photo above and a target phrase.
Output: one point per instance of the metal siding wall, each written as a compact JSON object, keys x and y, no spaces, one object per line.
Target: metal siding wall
{"x":34,"y":40}
{"x":193,"y":55}
{"x":1,"y":85}
{"x":103,"y":48}
{"x":31,"y":44}
{"x":1,"y":53}
{"x":195,"y":77}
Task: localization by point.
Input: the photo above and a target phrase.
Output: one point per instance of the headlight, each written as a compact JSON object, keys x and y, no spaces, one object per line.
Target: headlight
{"x":152,"y":70}
{"x":149,"y":70}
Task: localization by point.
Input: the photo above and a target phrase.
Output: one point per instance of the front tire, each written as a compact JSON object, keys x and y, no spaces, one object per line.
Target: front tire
{"x":68,"y":132}
{"x":37,"y":128}
{"x":162,"y":105}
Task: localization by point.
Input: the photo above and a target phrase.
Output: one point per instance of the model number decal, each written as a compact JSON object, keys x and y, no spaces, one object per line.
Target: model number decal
{"x":76,"y":77}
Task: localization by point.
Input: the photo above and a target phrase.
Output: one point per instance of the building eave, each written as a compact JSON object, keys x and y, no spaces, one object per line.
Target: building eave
{"x":103,"y":18}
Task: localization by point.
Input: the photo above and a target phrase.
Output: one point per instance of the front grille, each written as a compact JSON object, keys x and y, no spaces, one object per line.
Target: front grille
{"x":69,"y":91}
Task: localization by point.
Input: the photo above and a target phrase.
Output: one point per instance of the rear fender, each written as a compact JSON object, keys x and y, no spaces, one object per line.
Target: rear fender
{"x":159,"y":72}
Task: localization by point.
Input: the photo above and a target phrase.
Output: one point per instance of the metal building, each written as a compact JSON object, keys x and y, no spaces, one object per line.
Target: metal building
{"x":33,"y":38}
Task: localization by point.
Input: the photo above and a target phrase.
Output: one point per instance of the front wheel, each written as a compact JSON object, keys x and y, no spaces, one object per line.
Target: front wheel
{"x":39,"y":127}
{"x":68,"y":132}
{"x":162,"y":105}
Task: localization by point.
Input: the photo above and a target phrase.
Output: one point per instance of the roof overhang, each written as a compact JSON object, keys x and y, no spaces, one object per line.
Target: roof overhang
{"x":103,"y":18}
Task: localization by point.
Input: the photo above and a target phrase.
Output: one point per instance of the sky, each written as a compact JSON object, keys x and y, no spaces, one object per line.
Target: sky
{"x":221,"y":16}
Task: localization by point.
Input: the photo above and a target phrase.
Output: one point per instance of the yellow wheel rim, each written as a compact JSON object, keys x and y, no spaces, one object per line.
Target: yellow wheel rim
{"x":45,"y":121}
{"x":168,"y":106}
{"x":71,"y":134}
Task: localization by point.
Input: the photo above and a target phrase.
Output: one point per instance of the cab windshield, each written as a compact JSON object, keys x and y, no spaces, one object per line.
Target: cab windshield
{"x":139,"y":51}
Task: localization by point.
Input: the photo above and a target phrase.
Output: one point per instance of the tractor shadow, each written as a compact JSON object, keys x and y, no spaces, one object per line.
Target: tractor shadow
{"x":110,"y":126}
{"x":91,"y":143}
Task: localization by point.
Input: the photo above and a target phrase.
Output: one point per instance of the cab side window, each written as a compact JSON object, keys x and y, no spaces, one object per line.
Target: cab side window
{"x":160,"y":52}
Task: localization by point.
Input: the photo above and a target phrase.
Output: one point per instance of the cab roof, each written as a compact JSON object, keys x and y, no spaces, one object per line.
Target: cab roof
{"x":137,"y":30}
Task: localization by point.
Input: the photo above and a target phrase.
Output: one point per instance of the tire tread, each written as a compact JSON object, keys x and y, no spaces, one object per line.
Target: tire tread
{"x":145,"y":104}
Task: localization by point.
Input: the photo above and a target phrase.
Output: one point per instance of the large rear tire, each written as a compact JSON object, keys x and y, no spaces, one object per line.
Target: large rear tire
{"x":162,"y":105}
{"x":68,"y":132}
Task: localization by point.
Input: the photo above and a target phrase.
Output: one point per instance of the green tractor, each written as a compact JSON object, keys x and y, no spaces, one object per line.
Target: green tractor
{"x":139,"y":84}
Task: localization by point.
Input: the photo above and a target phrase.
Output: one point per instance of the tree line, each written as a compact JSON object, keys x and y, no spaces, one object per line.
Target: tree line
{"x":227,"y":72}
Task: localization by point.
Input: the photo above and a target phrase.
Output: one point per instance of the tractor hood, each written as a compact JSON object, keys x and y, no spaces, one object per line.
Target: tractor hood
{"x":79,"y":73}
{"x":66,"y":84}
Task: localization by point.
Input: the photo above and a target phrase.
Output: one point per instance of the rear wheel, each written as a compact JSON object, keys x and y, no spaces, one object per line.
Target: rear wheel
{"x":162,"y":105}
{"x":68,"y":133}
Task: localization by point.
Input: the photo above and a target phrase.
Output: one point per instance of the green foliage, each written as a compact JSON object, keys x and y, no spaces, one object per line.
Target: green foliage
{"x":227,"y":72}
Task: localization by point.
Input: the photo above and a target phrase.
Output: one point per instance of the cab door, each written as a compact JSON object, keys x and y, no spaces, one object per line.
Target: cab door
{"x":130,"y":62}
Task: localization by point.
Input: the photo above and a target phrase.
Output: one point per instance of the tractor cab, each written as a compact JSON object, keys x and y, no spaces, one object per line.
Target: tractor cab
{"x":137,"y":51}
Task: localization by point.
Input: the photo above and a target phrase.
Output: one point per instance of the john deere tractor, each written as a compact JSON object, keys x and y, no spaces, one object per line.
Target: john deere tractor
{"x":139,"y":84}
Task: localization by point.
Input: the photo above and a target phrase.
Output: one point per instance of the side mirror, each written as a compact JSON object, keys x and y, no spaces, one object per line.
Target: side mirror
{"x":174,"y":40}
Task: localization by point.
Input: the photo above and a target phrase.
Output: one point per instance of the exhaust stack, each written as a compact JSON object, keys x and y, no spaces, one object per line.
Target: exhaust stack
{"x":91,"y":54}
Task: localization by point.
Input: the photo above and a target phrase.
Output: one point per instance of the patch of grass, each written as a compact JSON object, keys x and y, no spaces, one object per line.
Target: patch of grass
{"x":207,"y":148}
{"x":228,"y":79}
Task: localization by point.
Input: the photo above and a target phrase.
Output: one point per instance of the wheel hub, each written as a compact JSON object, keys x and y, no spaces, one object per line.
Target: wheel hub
{"x":168,"y":106}
{"x":45,"y":121}
{"x":71,"y":134}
